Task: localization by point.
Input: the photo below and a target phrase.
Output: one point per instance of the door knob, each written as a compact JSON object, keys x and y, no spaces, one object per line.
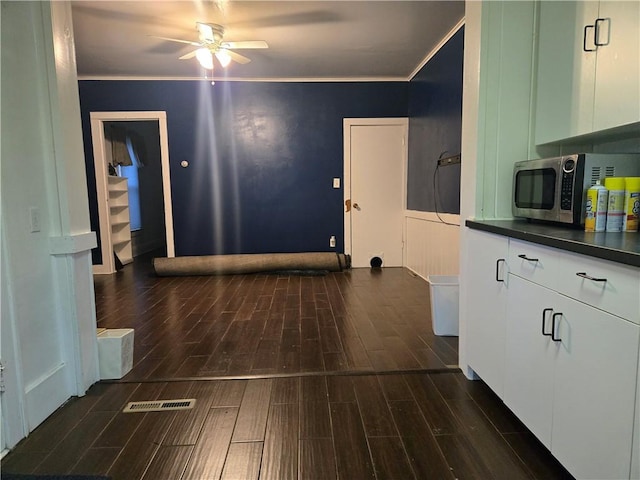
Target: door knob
{"x":356,"y":206}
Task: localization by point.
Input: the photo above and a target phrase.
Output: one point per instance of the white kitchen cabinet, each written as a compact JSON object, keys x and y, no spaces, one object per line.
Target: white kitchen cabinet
{"x":487,"y":294}
{"x":583,"y":87}
{"x":635,"y":450}
{"x":617,"y":92}
{"x":594,"y":391}
{"x":119,"y":218}
{"x":571,"y":368}
{"x":530,"y":356}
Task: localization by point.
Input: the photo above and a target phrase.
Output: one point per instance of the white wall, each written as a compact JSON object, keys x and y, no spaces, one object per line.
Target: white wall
{"x":496,"y":118}
{"x":432,"y":245}
{"x":47,"y":303}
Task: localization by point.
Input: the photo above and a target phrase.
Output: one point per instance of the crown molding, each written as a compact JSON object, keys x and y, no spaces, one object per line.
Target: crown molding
{"x":240,"y":79}
{"x":437,"y":48}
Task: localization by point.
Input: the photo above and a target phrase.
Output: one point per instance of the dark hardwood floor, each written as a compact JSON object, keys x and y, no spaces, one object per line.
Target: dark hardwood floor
{"x":323,"y":377}
{"x":267,"y":324}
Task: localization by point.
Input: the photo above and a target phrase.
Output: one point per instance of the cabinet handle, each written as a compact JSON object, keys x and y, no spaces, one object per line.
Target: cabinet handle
{"x":584,"y":39}
{"x":596,"y":35}
{"x":524,"y":257}
{"x":553,"y":327}
{"x":589,"y":277}
{"x":544,"y":317}
{"x":498,"y":279}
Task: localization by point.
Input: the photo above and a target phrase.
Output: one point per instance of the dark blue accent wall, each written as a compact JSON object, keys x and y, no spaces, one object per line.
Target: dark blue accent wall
{"x":261,"y":156}
{"x":435,"y":125}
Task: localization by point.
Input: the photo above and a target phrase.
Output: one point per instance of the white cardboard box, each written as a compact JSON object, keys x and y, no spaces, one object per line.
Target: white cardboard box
{"x":115,"y":352}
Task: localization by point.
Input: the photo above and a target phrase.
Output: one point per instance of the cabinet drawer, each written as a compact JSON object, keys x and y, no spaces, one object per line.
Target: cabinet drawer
{"x":612,"y":287}
{"x":535,"y":263}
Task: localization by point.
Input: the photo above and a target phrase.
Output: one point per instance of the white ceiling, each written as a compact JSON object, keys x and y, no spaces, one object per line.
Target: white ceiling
{"x":307,"y":39}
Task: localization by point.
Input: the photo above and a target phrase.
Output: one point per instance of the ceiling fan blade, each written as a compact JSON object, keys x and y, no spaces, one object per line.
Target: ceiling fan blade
{"x":188,"y":42}
{"x":246,"y":44}
{"x":188,"y":55}
{"x":236,"y":57}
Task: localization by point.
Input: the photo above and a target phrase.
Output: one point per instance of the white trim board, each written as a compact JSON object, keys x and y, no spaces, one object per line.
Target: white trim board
{"x":257,"y":79}
{"x":437,"y":48}
{"x":97,"y":135}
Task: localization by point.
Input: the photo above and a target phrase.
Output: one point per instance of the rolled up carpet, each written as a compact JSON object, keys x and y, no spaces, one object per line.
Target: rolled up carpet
{"x":250,"y":263}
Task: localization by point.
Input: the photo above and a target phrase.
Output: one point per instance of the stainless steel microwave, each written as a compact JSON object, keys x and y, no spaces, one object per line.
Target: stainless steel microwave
{"x":555,"y":189}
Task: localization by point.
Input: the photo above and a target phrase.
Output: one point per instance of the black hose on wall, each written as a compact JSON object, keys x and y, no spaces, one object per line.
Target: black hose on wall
{"x":250,"y":263}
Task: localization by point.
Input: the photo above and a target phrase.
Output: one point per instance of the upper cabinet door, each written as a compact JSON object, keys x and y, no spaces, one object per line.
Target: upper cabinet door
{"x":566,"y":70}
{"x":617,"y":93}
{"x":588,"y":70}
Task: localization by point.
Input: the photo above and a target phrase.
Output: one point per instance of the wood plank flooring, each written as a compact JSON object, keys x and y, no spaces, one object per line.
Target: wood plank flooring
{"x":324,"y":377}
{"x":268,"y":324}
{"x":321,"y":427}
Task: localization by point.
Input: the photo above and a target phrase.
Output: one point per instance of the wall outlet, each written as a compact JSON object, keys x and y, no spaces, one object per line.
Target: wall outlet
{"x":336,"y":182}
{"x":443,"y":162}
{"x":332,"y":241}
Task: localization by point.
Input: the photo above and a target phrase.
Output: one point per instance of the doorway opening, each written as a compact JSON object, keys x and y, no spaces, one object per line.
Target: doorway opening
{"x":133,"y":186}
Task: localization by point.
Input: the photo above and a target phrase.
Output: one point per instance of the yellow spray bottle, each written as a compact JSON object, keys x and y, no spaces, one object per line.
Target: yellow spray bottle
{"x":596,"y":218}
{"x":631,"y":204}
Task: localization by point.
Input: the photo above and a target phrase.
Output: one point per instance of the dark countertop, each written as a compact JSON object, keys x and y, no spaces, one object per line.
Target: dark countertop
{"x":616,"y":247}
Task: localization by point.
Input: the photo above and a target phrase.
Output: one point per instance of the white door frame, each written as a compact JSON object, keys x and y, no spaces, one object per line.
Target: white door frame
{"x":352,"y":122}
{"x":100,"y":165}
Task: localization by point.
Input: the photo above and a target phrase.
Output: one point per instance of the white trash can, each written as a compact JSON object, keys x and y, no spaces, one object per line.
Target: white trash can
{"x":444,"y":291}
{"x":115,"y":352}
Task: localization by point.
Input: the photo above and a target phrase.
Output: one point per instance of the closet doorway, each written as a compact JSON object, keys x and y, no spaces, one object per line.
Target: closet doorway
{"x":131,"y":157}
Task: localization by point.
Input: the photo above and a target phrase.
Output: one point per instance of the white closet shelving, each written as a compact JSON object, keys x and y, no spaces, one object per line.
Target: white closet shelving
{"x":119,"y":218}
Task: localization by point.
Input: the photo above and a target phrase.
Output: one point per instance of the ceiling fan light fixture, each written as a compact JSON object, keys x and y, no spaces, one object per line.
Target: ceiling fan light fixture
{"x":205,"y":58}
{"x":223,"y":57}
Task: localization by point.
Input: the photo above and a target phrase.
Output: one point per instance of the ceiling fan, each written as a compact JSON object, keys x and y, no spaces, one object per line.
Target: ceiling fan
{"x":212,"y":44}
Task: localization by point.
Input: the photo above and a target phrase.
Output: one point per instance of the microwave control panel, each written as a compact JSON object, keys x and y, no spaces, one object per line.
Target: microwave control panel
{"x":566,"y":192}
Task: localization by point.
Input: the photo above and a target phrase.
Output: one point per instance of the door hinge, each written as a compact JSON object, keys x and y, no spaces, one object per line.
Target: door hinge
{"x":1,"y":376}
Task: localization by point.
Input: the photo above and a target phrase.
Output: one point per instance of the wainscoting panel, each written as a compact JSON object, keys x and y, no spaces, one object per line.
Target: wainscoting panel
{"x":432,"y":247}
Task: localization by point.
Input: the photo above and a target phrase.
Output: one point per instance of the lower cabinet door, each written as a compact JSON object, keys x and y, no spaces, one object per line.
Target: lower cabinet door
{"x":595,"y":379}
{"x":530,"y":356}
{"x":488,"y":294}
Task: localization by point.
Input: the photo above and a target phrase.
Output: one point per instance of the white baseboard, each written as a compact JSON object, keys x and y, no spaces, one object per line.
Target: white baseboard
{"x":46,"y":394}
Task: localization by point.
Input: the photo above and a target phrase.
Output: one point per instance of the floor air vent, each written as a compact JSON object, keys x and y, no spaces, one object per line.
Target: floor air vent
{"x":160,"y":405}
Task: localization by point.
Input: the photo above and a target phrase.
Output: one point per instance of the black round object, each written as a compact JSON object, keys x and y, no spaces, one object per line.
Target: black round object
{"x":376,"y":262}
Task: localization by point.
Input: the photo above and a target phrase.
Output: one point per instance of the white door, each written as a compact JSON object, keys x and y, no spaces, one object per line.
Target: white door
{"x":530,"y":355}
{"x":375,"y":164}
{"x":593,"y":345}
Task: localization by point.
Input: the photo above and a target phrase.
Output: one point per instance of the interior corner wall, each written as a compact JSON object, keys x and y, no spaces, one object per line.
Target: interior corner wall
{"x":261,"y":156}
{"x":435,"y":127}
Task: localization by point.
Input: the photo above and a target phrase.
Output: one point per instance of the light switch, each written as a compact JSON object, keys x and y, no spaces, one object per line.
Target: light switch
{"x":336,"y":182}
{"x":34,"y":219}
